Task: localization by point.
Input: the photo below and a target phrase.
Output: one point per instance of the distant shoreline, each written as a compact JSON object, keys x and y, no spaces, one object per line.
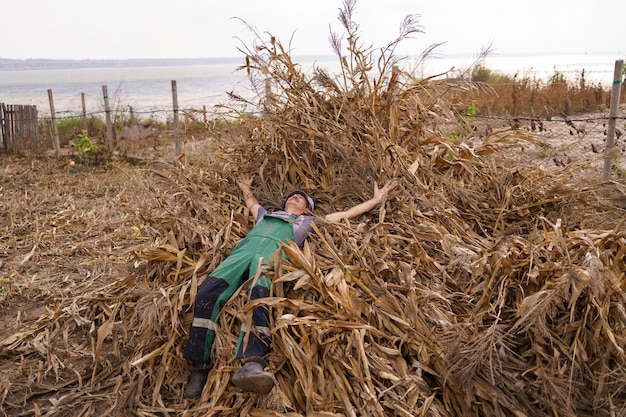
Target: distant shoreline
{"x":7,"y":64}
{"x":10,"y":64}
{"x":47,"y":64}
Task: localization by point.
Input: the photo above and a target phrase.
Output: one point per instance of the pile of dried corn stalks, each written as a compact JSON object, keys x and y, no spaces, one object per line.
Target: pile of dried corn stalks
{"x":475,"y":290}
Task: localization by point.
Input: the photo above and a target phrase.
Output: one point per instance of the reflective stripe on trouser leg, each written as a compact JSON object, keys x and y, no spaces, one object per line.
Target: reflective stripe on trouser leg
{"x":202,"y":332}
{"x":259,"y":337}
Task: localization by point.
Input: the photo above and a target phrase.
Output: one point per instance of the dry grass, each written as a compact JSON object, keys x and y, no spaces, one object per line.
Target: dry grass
{"x":475,"y":290}
{"x":527,"y":96}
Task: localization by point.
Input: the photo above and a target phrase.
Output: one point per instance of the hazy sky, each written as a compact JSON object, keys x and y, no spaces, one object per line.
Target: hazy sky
{"x":96,"y":29}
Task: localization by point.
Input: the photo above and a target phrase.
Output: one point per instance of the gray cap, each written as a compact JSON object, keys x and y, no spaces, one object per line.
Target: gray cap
{"x":302,"y":193}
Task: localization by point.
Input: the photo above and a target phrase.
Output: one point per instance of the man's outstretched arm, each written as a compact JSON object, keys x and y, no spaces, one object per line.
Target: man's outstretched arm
{"x":379,"y":195}
{"x":245,"y":184}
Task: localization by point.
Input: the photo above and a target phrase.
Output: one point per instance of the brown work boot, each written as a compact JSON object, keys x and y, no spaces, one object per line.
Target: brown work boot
{"x":251,"y":377}
{"x":197,"y":380}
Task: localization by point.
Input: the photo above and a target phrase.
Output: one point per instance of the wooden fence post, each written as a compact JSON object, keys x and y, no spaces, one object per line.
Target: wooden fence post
{"x":268,"y":93}
{"x":107,"y":112}
{"x":33,"y":128}
{"x":3,"y":126}
{"x":175,"y":102}
{"x":610,"y":131}
{"x":6,"y":125}
{"x":26,"y":126}
{"x":55,"y":129}
{"x":84,"y":106}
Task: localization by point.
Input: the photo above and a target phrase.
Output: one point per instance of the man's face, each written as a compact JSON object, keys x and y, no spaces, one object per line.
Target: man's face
{"x":297,"y":204}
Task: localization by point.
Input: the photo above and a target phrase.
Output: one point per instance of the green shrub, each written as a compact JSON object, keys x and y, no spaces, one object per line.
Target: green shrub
{"x":481,"y":73}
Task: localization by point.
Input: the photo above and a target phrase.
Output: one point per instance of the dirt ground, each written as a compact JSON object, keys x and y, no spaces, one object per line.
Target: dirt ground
{"x":67,"y":226}
{"x":70,"y":227}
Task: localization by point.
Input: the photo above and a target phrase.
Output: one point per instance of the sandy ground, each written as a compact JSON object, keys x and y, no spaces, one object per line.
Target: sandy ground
{"x":555,"y":143}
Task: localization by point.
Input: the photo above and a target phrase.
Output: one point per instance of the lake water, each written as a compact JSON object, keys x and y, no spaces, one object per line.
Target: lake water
{"x":148,"y":89}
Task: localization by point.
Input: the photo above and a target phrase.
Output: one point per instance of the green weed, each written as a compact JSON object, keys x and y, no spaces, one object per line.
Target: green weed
{"x":84,"y":145}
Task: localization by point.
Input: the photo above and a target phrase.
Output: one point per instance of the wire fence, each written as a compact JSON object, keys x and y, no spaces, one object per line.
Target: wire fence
{"x":71,"y":114}
{"x":208,"y":113}
{"x":129,"y":110}
{"x":562,"y":119}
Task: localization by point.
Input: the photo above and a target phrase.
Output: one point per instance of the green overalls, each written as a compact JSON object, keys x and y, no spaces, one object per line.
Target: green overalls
{"x":242,"y":264}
